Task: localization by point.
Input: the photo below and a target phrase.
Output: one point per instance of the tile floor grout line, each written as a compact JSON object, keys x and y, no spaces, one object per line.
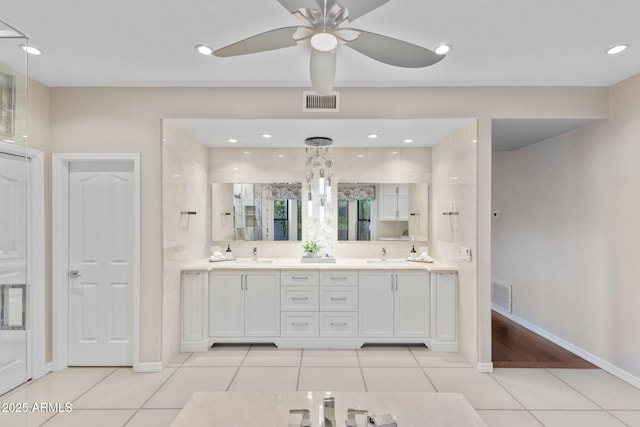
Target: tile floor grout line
{"x":364,"y":381}
{"x":235,"y":374}
{"x":299,"y":370}
{"x":505,"y":389}
{"x":422,"y":369}
{"x":159,"y":387}
{"x":574,"y":389}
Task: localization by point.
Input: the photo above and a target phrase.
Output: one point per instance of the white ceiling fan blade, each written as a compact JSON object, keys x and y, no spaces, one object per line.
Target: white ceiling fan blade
{"x":270,"y":40}
{"x":393,"y":51}
{"x":294,"y":5}
{"x":357,"y":8}
{"x":323,"y":71}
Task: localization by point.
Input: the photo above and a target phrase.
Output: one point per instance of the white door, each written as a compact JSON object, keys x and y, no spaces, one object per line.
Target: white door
{"x":262,"y":304}
{"x":375,"y":301}
{"x":101,"y":220}
{"x":226,"y":300}
{"x":411,"y":313}
{"x":13,"y":271}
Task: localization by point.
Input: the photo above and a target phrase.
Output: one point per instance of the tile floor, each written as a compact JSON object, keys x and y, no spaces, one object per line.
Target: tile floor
{"x":508,"y":397}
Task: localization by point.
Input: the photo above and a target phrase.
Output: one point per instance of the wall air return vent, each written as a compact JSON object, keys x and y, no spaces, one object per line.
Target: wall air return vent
{"x":500,"y":296}
{"x":312,"y":102}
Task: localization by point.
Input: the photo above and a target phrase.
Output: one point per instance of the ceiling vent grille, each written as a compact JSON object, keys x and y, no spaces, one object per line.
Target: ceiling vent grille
{"x":313,"y":102}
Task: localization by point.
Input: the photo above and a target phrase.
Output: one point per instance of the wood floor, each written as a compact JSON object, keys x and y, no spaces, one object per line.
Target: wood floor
{"x":516,"y":347}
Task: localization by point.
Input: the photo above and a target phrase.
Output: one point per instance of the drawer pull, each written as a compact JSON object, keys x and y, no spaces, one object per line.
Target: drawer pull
{"x":338,"y":277}
{"x":338,"y":298}
{"x":299,"y":323}
{"x":299,"y":298}
{"x":299,"y":277}
{"x":338,"y":323}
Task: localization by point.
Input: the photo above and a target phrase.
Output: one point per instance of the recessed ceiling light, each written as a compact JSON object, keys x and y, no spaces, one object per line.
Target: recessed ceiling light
{"x":246,"y":152}
{"x":408,"y":140}
{"x":31,"y":50}
{"x":266,"y":135}
{"x":360,"y":155}
{"x":10,"y":141}
{"x":204,"y":49}
{"x":235,"y":169}
{"x":232,"y":140}
{"x":373,"y":135}
{"x":394,"y":152}
{"x":617,"y":49}
{"x":443,"y":48}
{"x":281,"y":155}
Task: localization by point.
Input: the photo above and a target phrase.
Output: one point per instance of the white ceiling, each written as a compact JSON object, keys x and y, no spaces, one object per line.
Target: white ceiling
{"x":150,"y":43}
{"x":344,"y":132}
{"x":498,"y":42}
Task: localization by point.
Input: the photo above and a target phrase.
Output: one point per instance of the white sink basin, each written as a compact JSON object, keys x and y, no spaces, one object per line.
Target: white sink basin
{"x":384,"y":262}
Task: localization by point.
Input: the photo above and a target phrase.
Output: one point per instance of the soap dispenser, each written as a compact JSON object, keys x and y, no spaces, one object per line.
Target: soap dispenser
{"x":412,"y":254}
{"x":229,"y":254}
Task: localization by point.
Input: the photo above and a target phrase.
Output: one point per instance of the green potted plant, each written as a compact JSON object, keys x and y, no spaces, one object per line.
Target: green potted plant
{"x":311,"y":248}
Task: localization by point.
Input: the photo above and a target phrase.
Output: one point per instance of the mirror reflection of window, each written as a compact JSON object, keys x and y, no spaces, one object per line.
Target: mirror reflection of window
{"x":285,"y":222}
{"x":364,"y":219}
{"x":343,"y":219}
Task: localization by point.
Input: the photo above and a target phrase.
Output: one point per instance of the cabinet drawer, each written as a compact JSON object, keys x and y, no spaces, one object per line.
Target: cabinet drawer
{"x":338,"y":277}
{"x":299,"y":324}
{"x":339,"y":324}
{"x":302,"y":277}
{"x":298,"y":298}
{"x":338,"y":298}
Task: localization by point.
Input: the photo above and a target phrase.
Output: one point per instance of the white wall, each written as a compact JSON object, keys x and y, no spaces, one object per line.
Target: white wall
{"x":455,"y":182}
{"x":184,"y":237}
{"x":568,"y":240}
{"x":128,"y":120}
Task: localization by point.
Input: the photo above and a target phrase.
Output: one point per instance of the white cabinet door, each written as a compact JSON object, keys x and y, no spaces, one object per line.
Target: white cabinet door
{"x":193,"y":310}
{"x":226,"y":304}
{"x":411,"y":304}
{"x":262,"y":303}
{"x":403,"y":208}
{"x":446,"y":313}
{"x":375,"y":289}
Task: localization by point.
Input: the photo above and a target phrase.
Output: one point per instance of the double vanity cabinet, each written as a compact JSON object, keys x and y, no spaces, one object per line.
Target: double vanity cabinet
{"x":342,"y":305}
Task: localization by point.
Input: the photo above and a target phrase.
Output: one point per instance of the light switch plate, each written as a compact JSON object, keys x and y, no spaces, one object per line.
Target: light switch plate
{"x":465,"y":253}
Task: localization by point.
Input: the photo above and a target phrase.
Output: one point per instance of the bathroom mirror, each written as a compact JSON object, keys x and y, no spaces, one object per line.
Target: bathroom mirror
{"x":389,"y":211}
{"x":256,"y":211}
{"x":366,"y":211}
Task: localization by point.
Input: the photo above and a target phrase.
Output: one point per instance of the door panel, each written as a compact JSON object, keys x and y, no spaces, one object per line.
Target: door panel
{"x":262,"y":304}
{"x":411,"y":304}
{"x":100,"y":250}
{"x":226,"y":299}
{"x":376,"y":304}
{"x":13,"y":271}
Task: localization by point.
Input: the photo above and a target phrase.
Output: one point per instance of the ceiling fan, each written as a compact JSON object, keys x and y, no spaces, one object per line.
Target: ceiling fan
{"x":324,"y":28}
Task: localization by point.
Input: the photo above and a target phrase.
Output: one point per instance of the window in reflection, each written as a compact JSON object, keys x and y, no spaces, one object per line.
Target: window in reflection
{"x":364,"y":219}
{"x":343,"y":219}
{"x":287,"y":214}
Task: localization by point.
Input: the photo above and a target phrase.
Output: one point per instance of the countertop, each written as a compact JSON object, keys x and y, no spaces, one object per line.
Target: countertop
{"x":340,"y":264}
{"x":244,"y":409}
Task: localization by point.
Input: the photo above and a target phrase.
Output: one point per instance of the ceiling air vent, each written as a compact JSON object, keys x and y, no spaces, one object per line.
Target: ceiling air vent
{"x":314,"y":102}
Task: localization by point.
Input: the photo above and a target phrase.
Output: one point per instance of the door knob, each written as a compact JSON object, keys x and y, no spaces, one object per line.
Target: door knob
{"x":74,"y":274}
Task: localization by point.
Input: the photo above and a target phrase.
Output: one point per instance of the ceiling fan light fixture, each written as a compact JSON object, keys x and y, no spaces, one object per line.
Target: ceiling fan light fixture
{"x":443,"y":49}
{"x":204,"y":49}
{"x":323,"y":41}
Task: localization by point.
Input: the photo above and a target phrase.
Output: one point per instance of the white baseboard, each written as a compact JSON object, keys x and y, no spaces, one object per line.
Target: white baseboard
{"x":484,"y":367}
{"x":601,"y":363}
{"x":149,"y":367}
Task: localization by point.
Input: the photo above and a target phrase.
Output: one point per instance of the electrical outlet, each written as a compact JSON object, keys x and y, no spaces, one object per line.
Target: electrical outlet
{"x":465,"y":253}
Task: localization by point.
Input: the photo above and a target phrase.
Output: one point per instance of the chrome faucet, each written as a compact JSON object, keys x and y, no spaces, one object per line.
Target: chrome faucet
{"x":383,"y":256}
{"x":351,"y":416}
{"x":255,"y":253}
{"x":306,"y":416}
{"x":329,"y":412}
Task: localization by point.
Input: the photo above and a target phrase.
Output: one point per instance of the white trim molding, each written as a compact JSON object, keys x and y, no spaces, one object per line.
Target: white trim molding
{"x":599,"y":362}
{"x":60,"y":248}
{"x":149,"y":367}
